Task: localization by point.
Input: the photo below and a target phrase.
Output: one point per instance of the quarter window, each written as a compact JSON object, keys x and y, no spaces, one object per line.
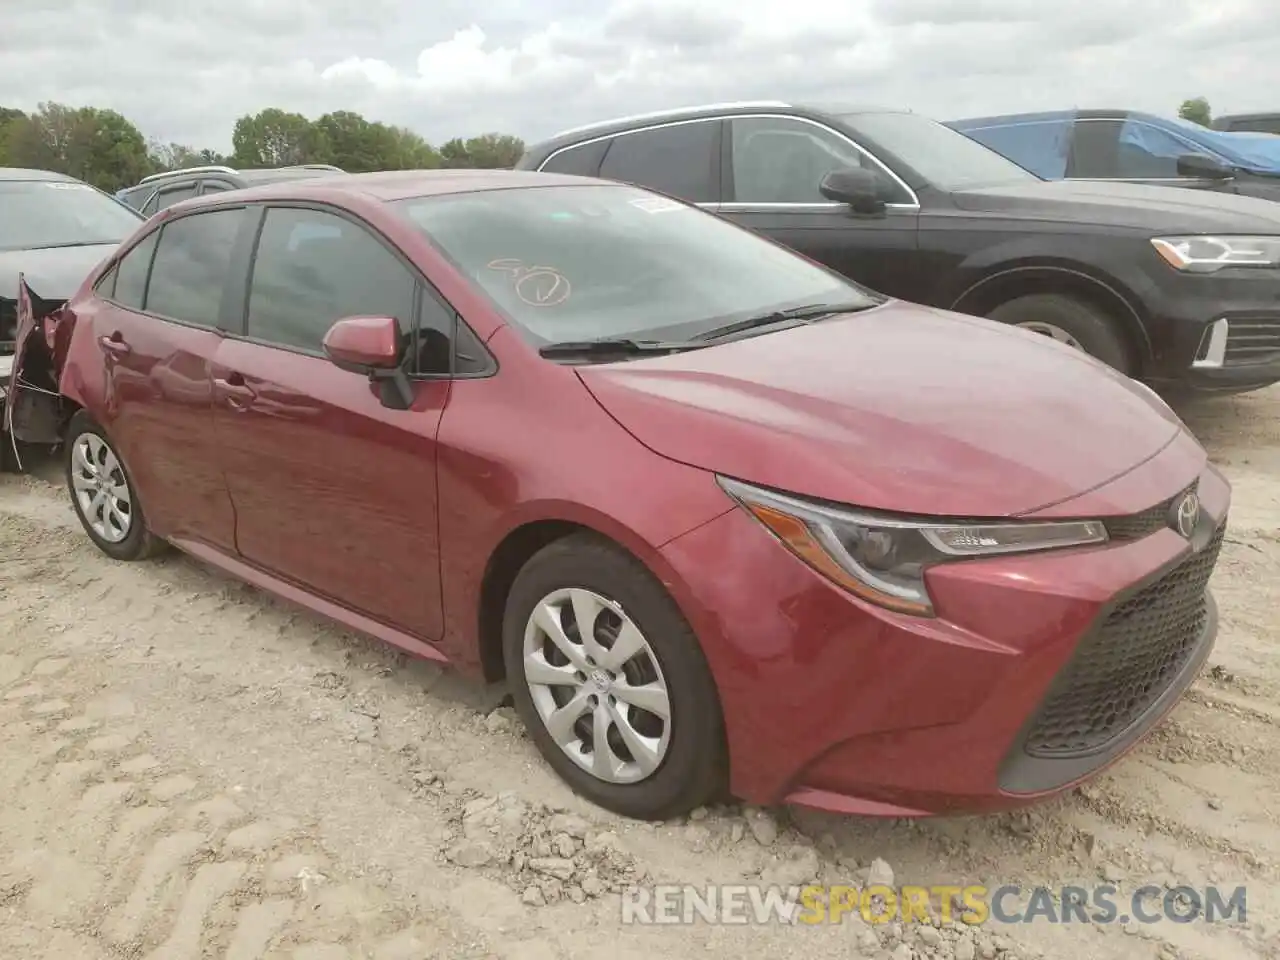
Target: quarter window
{"x":677,"y":160}
{"x":783,"y":160}
{"x":315,"y":268}
{"x":191,"y":267}
{"x":580,"y":161}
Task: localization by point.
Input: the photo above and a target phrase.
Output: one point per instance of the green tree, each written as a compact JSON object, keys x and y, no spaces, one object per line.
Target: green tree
{"x":1197,"y":111}
{"x":488,"y":151}
{"x":177,"y":156}
{"x":7,"y":116}
{"x":98,"y":146}
{"x":276,"y":138}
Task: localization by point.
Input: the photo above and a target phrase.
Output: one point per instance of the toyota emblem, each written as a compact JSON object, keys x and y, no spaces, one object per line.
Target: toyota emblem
{"x":1186,"y":515}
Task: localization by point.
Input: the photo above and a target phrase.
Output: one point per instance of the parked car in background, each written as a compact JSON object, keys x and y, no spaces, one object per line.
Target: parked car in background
{"x":1249,"y":122}
{"x":1134,"y":147}
{"x":53,"y":230}
{"x":162,"y":190}
{"x":669,"y":479}
{"x":1177,"y":288}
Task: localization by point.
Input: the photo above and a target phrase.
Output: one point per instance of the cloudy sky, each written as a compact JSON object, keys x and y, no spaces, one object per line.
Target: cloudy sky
{"x":184,"y":72}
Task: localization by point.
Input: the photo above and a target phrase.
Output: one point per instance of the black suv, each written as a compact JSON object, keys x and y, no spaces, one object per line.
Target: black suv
{"x":162,"y":190}
{"x":1248,"y":123}
{"x":1178,"y":288}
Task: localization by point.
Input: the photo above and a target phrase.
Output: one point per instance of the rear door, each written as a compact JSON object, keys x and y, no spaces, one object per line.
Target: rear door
{"x":772,"y":168}
{"x":157,"y":320}
{"x":332,"y":490}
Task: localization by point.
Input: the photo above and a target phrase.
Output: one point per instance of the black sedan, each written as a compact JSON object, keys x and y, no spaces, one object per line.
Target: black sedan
{"x":1178,"y":288}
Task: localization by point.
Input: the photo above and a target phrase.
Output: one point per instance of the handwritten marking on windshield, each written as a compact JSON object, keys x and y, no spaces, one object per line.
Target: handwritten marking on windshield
{"x":535,"y":286}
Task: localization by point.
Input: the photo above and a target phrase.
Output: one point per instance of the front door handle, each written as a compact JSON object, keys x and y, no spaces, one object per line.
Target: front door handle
{"x":238,"y":394}
{"x":114,"y":344}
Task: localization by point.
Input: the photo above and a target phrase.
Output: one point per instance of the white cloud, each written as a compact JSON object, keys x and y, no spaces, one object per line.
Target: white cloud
{"x":533,"y":66}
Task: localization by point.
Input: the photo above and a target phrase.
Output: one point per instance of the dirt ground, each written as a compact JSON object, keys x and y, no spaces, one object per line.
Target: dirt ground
{"x":191,"y":770}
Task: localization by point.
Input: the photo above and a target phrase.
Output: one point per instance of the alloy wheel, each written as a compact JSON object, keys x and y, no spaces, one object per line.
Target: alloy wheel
{"x":597,"y":685}
{"x":101,"y":492}
{"x":1052,"y":331}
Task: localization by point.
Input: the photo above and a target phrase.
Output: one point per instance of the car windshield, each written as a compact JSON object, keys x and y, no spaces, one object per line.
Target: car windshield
{"x":53,"y":213}
{"x":593,"y":262}
{"x":945,"y":158}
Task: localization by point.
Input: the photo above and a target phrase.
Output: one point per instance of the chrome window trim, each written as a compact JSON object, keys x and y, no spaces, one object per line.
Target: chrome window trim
{"x":737,"y":205}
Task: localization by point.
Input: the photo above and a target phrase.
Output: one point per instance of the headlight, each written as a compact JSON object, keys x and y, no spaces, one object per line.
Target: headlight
{"x":883,"y":559}
{"x":1208,"y":254}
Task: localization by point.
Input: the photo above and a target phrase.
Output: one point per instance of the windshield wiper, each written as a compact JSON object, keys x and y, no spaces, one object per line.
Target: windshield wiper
{"x":808,"y":311}
{"x":612,"y":347}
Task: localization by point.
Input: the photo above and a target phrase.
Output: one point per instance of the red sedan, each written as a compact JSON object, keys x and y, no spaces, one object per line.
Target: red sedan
{"x":723,"y":520}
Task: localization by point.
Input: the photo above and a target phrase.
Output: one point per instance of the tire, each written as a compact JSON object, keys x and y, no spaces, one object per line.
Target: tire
{"x":691,"y":759}
{"x":1093,"y":332}
{"x":87,"y":443}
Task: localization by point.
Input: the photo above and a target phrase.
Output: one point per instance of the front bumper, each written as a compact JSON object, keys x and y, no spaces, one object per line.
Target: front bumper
{"x":835,"y":704}
{"x":1214,"y":334}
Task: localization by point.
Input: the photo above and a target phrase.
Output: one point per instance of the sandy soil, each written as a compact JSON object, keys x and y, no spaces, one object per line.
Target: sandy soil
{"x":190,"y":770}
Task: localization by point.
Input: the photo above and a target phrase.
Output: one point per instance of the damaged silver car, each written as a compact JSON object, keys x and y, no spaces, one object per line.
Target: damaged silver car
{"x":54,"y":230}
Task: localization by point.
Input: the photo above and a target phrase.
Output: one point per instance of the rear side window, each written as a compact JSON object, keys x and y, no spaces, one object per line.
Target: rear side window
{"x":167,"y":198}
{"x":191,"y":266}
{"x":314,"y":268}
{"x":580,"y":161}
{"x":131,"y":273}
{"x":1040,"y":146}
{"x":677,"y":160}
{"x":1147,"y":151}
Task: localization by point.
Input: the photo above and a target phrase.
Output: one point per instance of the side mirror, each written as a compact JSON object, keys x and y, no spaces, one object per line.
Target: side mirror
{"x":373,"y":346}
{"x":1202,"y":167}
{"x":859,"y":188}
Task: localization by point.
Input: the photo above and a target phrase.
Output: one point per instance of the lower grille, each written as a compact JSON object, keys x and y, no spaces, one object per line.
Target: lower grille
{"x":1124,"y":665}
{"x":1252,"y":340}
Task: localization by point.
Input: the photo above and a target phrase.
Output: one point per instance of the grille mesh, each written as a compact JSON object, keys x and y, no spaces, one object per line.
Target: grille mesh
{"x":1124,"y":666}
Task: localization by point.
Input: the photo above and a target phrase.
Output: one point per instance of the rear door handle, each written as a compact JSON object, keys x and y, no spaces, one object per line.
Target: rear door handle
{"x":114,"y":344}
{"x":238,"y":394}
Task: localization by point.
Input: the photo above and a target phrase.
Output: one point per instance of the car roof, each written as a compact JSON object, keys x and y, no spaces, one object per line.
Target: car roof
{"x":607,"y":128}
{"x":20,"y":173}
{"x":392,"y":185}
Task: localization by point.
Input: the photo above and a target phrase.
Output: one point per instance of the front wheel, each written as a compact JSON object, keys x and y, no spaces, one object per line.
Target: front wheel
{"x":1071,"y":322}
{"x":103,"y":494}
{"x":611,"y":682}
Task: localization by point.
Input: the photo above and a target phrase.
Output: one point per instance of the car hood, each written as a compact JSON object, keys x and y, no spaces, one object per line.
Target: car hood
{"x":900,"y":408}
{"x":55,"y":273}
{"x":1142,"y":207}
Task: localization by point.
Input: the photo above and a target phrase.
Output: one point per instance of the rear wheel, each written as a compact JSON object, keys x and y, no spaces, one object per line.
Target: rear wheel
{"x":1071,"y":322}
{"x":103,"y":494}
{"x":611,"y":682}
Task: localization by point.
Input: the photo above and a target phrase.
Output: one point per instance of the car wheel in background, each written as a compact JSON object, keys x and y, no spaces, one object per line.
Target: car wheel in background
{"x":1071,"y":322}
{"x":103,"y":495}
{"x":611,"y":682}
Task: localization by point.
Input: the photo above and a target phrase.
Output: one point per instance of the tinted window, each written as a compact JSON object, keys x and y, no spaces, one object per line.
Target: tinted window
{"x":131,"y":273}
{"x":585,"y":262}
{"x":782,"y":160}
{"x":168,"y":198}
{"x":51,"y":213}
{"x":1256,"y":125}
{"x":940,"y":156}
{"x":315,"y":268}
{"x":215,"y":186}
{"x":191,"y":266}
{"x":1040,"y":145}
{"x":580,"y":161}
{"x":677,"y":160}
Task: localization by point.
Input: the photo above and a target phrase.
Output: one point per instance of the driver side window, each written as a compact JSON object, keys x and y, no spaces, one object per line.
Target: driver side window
{"x":783,"y":160}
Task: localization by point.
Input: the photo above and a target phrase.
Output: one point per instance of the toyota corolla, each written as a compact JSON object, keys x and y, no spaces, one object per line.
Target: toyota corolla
{"x":723,"y":520}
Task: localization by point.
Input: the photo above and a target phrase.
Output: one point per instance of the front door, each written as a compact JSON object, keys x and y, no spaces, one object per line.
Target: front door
{"x":332,"y":490}
{"x":156,"y":321}
{"x":773,"y":168}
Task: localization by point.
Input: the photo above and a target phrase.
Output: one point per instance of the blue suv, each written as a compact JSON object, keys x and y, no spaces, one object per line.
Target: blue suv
{"x":1134,"y":147}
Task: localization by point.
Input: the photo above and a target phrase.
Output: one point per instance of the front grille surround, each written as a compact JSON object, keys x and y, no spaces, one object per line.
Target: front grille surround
{"x":1135,"y":526}
{"x":1126,"y":663}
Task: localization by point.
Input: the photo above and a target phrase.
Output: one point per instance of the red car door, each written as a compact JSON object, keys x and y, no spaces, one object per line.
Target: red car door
{"x":155,"y":319}
{"x":332,"y":489}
